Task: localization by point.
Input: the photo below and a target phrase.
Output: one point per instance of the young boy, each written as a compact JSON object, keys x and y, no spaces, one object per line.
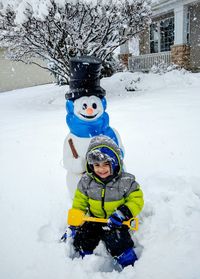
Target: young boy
{"x":105,"y":191}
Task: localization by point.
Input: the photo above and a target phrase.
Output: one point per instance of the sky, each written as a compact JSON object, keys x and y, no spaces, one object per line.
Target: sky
{"x":159,"y":127}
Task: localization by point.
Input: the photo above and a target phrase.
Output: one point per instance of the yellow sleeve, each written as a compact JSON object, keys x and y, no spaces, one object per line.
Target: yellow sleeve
{"x":135,"y":202}
{"x":80,"y":201}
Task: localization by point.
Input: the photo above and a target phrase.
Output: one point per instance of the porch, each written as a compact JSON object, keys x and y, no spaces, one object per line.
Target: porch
{"x":143,"y":63}
{"x":172,"y":37}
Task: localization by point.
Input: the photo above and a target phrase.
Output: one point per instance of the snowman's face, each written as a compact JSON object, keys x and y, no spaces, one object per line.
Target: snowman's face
{"x":88,"y":108}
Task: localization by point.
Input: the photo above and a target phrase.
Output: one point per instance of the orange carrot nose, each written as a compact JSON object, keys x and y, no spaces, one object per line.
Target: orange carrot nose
{"x":89,"y":111}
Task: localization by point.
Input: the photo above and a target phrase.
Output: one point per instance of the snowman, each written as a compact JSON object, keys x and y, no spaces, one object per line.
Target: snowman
{"x":86,"y":116}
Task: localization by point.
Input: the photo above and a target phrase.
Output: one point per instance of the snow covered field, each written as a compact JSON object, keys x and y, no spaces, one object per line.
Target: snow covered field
{"x":159,"y":126}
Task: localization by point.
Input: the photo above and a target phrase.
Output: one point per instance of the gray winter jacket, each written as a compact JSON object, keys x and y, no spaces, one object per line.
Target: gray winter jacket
{"x":101,"y":198}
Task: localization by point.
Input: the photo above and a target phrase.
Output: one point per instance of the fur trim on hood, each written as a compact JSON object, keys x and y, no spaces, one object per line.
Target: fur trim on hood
{"x":101,"y":149}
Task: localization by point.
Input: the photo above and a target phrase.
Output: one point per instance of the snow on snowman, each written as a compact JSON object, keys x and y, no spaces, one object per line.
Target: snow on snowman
{"x":86,"y":116}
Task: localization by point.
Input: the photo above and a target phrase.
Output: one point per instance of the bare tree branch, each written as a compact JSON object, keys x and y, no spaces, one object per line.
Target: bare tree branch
{"x":71,"y":30}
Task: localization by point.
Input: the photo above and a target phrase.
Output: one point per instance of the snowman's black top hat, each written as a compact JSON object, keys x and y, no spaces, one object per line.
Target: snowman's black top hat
{"x":85,"y":78}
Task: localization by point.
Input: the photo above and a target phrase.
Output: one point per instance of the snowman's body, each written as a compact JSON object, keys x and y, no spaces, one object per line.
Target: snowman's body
{"x":75,"y":166}
{"x":84,"y":124}
{"x":86,"y":116}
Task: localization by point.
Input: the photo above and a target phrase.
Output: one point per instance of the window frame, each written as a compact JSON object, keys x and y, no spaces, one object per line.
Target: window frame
{"x":188,"y":27}
{"x":158,"y":23}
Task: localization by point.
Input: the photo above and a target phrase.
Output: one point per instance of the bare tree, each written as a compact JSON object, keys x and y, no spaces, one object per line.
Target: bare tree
{"x":73,"y":29}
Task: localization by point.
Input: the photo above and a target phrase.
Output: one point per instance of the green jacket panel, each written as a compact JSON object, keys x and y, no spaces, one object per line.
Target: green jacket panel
{"x":80,"y":201}
{"x":102,"y":200}
{"x":135,"y":202}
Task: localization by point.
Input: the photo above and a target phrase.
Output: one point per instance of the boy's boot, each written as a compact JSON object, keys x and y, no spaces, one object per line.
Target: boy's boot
{"x":127,"y":258}
{"x":85,"y":253}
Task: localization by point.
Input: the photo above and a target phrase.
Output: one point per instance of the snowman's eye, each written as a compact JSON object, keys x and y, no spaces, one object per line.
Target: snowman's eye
{"x":84,"y":106}
{"x":94,"y":105}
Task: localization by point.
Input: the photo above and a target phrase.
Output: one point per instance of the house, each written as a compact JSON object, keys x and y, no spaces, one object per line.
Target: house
{"x":14,"y":75}
{"x":172,"y":37}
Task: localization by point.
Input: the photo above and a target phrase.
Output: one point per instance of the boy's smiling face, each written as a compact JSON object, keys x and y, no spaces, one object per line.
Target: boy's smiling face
{"x":102,"y":169}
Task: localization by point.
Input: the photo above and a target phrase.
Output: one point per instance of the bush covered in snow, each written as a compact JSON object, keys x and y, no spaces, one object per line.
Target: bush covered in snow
{"x":162,"y":68}
{"x":56,"y":30}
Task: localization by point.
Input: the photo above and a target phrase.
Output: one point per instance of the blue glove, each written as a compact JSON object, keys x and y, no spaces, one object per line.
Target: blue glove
{"x":116,"y":219}
{"x":73,"y":231}
{"x":64,"y":237}
{"x":72,"y":234}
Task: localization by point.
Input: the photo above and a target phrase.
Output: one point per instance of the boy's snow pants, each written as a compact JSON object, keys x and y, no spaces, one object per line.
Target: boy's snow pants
{"x":89,"y":234}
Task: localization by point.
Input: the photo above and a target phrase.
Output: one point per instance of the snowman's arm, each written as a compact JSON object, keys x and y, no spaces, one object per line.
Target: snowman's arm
{"x":71,"y":164}
{"x":73,"y":149}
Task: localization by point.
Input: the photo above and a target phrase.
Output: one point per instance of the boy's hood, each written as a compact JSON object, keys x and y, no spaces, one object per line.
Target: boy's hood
{"x":104,"y":141}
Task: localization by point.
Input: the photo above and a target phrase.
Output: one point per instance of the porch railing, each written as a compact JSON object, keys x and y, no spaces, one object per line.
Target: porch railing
{"x":143,"y":63}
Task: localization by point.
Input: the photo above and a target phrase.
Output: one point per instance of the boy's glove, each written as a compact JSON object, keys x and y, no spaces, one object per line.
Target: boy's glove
{"x":122,"y":213}
{"x":73,"y":231}
{"x":64,"y":237}
{"x":72,"y":234}
{"x":116,"y":219}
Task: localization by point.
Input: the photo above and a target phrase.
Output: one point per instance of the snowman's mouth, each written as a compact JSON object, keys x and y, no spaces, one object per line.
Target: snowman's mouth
{"x":88,"y":116}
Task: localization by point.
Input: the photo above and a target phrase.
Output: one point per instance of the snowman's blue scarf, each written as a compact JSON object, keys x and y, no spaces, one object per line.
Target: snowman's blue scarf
{"x":88,"y":129}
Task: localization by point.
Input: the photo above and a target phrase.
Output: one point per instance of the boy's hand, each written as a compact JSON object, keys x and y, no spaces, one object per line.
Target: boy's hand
{"x":73,"y":231}
{"x":116,"y":219}
{"x":64,"y":237}
{"x":66,"y":233}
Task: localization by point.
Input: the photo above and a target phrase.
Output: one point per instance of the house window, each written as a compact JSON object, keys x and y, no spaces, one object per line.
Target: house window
{"x":154,"y":37}
{"x":162,"y":35}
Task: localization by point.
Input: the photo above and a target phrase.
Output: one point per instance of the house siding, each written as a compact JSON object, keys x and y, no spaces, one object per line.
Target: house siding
{"x":144,"y":45}
{"x":14,"y":75}
{"x":195,"y":36}
{"x":161,"y":17}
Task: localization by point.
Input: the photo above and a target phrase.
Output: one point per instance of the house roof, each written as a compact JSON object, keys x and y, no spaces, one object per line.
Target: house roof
{"x":163,"y":6}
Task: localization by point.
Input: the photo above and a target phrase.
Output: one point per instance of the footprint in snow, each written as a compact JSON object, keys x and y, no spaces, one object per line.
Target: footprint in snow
{"x":46,"y":233}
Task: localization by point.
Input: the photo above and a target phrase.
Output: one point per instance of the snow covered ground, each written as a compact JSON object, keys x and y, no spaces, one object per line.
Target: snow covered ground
{"x":159,"y":126}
